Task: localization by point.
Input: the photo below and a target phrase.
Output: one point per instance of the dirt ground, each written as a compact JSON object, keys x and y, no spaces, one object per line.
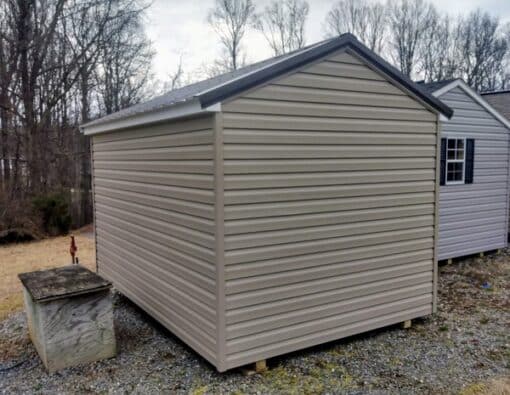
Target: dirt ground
{"x":462,"y":349}
{"x":37,"y":255}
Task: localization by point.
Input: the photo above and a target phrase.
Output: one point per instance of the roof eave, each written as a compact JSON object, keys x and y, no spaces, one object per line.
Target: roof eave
{"x":346,"y":41}
{"x":178,"y":110}
{"x":475,"y":96}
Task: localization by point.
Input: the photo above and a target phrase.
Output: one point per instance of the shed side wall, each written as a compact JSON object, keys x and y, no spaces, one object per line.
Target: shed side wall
{"x":473,"y":217}
{"x":329,"y":209}
{"x":154,"y":201}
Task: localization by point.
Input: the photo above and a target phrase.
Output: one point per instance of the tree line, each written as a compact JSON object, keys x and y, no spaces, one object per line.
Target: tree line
{"x":64,"y":62}
{"x":422,"y":42}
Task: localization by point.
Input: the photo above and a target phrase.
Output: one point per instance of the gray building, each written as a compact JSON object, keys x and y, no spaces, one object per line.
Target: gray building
{"x":474,"y":191}
{"x":500,"y":100}
{"x":276,"y":207}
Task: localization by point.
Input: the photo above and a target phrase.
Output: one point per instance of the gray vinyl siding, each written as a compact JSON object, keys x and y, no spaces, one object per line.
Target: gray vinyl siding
{"x":474,"y":217}
{"x":329,"y":207}
{"x":155,"y":224}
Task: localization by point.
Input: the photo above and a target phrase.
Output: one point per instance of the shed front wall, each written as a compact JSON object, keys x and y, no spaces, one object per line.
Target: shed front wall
{"x":329,"y":193}
{"x":154,"y":211}
{"x":474,"y":217}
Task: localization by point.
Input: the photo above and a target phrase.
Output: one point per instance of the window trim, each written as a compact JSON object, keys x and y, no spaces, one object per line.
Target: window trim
{"x":463,"y":181}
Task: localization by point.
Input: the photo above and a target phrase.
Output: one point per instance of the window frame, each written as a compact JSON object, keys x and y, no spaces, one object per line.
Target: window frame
{"x":457,"y":182}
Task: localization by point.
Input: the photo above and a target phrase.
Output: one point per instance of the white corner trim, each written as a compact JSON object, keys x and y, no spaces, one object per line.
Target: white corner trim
{"x":475,"y":96}
{"x":176,"y":111}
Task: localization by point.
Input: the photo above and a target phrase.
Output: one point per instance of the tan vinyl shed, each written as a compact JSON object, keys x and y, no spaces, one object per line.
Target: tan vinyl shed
{"x":276,"y":207}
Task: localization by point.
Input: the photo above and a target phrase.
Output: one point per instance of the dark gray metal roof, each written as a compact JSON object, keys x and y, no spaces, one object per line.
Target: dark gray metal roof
{"x":219,"y":88}
{"x":436,"y":85}
{"x":507,"y":91}
{"x":500,"y":100}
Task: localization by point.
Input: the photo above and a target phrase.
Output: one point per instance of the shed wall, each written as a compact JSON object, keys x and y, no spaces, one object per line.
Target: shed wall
{"x":154,"y":210}
{"x":330,"y":183}
{"x":474,"y":217}
{"x":500,"y":101}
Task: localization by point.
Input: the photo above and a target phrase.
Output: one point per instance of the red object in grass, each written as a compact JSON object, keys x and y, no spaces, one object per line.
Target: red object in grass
{"x":73,"y":248}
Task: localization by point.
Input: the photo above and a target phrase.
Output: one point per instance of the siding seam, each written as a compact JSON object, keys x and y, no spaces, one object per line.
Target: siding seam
{"x":219,"y":211}
{"x":436,"y":217}
{"x":92,"y":182}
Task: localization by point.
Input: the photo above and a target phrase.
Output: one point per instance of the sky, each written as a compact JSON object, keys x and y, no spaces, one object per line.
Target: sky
{"x":178,"y":28}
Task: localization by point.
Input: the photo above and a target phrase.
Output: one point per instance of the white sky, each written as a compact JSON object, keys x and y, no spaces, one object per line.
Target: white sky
{"x":179,"y":27}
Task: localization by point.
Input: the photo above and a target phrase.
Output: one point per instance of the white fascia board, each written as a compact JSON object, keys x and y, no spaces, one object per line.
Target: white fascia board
{"x":475,"y":96}
{"x":192,"y":107}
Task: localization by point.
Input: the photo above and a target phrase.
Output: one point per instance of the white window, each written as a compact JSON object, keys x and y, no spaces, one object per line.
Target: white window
{"x":455,"y":161}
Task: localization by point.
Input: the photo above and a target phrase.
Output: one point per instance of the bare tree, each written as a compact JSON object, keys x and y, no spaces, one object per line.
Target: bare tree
{"x":483,"y":49}
{"x":438,"y":58}
{"x":229,"y":19}
{"x":409,"y":21}
{"x":367,"y":21}
{"x":283,"y":25}
{"x":8,"y":61}
{"x":175,"y":78}
{"x":124,"y":64}
{"x":53,"y":57}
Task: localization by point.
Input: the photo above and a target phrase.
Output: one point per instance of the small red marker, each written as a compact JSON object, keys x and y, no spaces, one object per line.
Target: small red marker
{"x":73,"y":249}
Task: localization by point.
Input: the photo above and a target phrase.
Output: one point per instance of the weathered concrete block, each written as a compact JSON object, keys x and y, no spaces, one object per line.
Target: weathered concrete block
{"x":70,"y":316}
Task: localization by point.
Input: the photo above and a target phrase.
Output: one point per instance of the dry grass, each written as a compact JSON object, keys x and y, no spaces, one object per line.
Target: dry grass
{"x":37,"y":255}
{"x":499,"y":386}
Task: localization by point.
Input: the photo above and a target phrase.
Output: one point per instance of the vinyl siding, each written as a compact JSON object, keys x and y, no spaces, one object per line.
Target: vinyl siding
{"x":474,"y":217}
{"x":500,"y":101}
{"x":155,"y":224}
{"x":329,"y":193}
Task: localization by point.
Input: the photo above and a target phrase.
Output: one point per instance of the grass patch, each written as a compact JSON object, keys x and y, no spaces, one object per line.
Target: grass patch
{"x":36,"y":255}
{"x":500,"y":386}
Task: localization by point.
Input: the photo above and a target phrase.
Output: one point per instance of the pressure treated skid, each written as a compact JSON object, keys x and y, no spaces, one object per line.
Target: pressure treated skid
{"x":299,"y":212}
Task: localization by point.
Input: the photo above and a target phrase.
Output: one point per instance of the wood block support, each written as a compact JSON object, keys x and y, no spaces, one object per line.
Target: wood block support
{"x":482,"y":254}
{"x":257,"y":368}
{"x":406,"y":324}
{"x":260,"y":366}
{"x":450,"y":261}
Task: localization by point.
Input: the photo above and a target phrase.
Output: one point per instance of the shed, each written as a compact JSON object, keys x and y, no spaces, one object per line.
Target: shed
{"x":276,"y":207}
{"x":474,"y":191}
{"x":500,"y":100}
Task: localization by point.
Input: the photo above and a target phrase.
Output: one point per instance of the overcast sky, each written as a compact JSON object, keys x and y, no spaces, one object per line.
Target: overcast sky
{"x":179,"y":27}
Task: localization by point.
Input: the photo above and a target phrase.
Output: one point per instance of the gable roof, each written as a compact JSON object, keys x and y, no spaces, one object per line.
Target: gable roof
{"x":204,"y":95}
{"x":500,"y":100}
{"x":441,"y":87}
{"x":436,"y":85}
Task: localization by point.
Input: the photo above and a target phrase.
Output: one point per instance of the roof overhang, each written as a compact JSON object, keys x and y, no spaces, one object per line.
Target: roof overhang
{"x":210,"y":99}
{"x":178,"y":110}
{"x":347,"y":42}
{"x":475,"y":96}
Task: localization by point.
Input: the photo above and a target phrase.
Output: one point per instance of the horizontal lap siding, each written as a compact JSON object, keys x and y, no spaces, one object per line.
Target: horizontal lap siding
{"x":329,"y":209}
{"x":154,"y":204}
{"x":473,"y":217}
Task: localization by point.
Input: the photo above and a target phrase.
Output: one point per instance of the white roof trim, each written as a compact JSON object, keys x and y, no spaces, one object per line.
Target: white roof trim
{"x":475,"y":96}
{"x":179,"y":110}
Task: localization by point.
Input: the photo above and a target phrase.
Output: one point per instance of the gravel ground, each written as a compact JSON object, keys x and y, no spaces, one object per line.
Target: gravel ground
{"x":466,"y":343}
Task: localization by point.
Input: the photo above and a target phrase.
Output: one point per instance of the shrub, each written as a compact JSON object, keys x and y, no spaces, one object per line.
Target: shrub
{"x":17,"y":220}
{"x":54,"y":212}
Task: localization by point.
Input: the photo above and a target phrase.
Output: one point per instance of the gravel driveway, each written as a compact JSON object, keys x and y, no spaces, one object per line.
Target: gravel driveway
{"x":466,"y":343}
